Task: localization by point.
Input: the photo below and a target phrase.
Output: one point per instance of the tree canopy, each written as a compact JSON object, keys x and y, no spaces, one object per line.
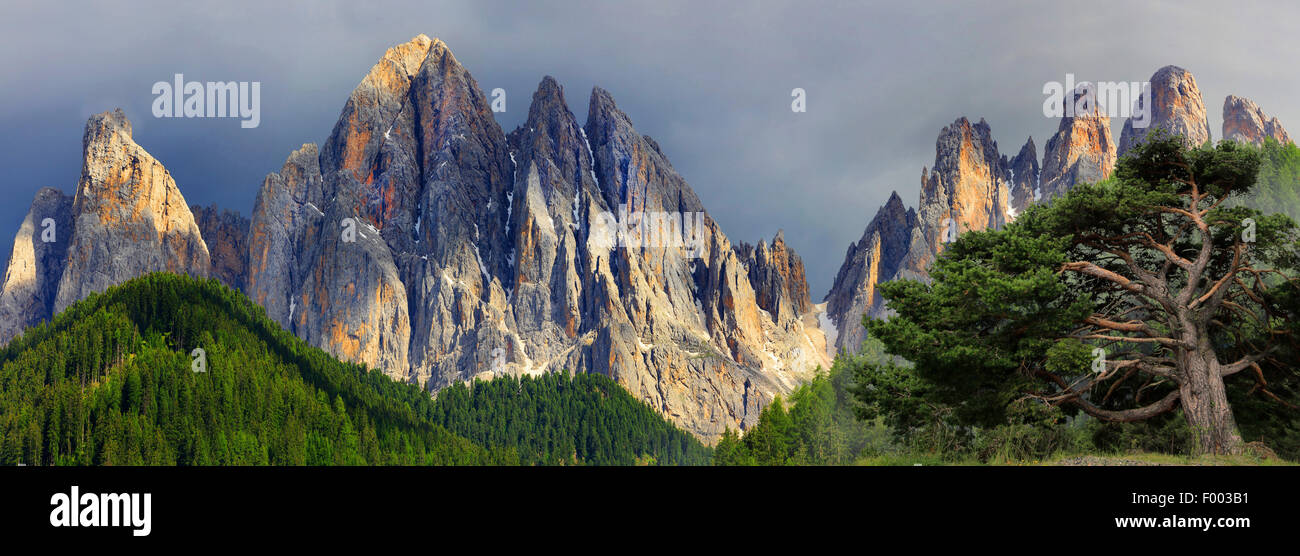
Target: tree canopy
{"x":1126,"y":299}
{"x":112,"y":381}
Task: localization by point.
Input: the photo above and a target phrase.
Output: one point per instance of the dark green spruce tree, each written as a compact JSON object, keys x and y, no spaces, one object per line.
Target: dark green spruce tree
{"x":1147,"y":293}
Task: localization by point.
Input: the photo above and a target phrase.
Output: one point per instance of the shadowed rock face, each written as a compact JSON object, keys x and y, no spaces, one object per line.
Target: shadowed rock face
{"x":1245,"y":122}
{"x":893,"y":246}
{"x":1176,"y":107}
{"x":35,"y":265}
{"x":969,"y":188}
{"x":1081,"y":151}
{"x":777,"y":274}
{"x":226,"y":235}
{"x":286,"y":208}
{"x":1025,"y":174}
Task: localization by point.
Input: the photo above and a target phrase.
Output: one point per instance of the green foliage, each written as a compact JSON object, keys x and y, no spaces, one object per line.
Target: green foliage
{"x":109,"y":382}
{"x":1277,"y":187}
{"x":558,"y":419}
{"x":821,"y":426}
{"x":1167,"y":434}
{"x":994,"y":339}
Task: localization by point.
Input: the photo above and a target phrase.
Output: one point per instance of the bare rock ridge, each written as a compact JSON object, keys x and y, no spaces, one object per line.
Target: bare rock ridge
{"x":36,"y":263}
{"x":422,"y":240}
{"x":777,"y":274}
{"x":1176,"y":107}
{"x":474,"y":253}
{"x":226,"y":234}
{"x":968,"y":186}
{"x":126,"y":218}
{"x":1025,"y":177}
{"x":1081,"y":151}
{"x":890,"y":248}
{"x":1245,"y":122}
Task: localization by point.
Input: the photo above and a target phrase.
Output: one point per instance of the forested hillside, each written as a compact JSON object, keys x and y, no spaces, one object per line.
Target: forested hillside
{"x":558,"y":419}
{"x":114,"y":380}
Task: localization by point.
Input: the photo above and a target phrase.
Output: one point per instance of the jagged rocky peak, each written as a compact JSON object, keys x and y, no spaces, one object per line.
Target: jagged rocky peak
{"x":777,"y":274}
{"x":129,"y":218}
{"x":681,"y":326}
{"x":633,"y":162}
{"x":225,"y":232}
{"x":36,"y":263}
{"x":1081,"y":151}
{"x":967,"y":187}
{"x":1244,"y":121}
{"x":286,"y":203}
{"x":474,"y":255}
{"x":970,"y":187}
{"x":893,"y":246}
{"x":421,"y":240}
{"x":1176,"y":107}
{"x":1024,"y":172}
{"x":126,"y":218}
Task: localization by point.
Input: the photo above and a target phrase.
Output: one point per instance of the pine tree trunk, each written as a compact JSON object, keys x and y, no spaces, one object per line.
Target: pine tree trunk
{"x":1205,"y":405}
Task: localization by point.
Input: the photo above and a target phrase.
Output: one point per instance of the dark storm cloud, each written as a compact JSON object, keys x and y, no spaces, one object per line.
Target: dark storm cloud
{"x":710,"y":81}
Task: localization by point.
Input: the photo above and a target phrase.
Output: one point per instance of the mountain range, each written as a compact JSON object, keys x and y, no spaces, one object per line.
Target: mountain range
{"x":972,"y":186}
{"x":423,"y":240}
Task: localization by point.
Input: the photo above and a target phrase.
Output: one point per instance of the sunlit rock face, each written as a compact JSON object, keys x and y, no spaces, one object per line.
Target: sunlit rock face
{"x":479,"y":254}
{"x":968,"y":186}
{"x":892,"y":247}
{"x":1176,"y":107}
{"x":126,"y":218}
{"x":1245,"y":122}
{"x":1081,"y":151}
{"x":129,"y":218}
{"x":971,"y":186}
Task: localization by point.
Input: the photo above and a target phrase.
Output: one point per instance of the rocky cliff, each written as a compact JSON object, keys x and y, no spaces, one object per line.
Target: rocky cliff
{"x":426,"y":242}
{"x":1176,"y":107}
{"x":972,"y":187}
{"x":1081,"y":151}
{"x":36,"y":263}
{"x":225,"y":233}
{"x":1244,"y":121}
{"x":1026,"y":177}
{"x":126,"y":218}
{"x":969,"y":187}
{"x":777,"y":274}
{"x":893,"y":246}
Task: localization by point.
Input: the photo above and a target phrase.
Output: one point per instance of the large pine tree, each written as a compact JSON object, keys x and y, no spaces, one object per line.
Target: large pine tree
{"x":1125,"y":299}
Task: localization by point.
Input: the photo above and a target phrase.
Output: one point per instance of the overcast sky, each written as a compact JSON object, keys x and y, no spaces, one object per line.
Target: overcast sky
{"x":710,"y":81}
